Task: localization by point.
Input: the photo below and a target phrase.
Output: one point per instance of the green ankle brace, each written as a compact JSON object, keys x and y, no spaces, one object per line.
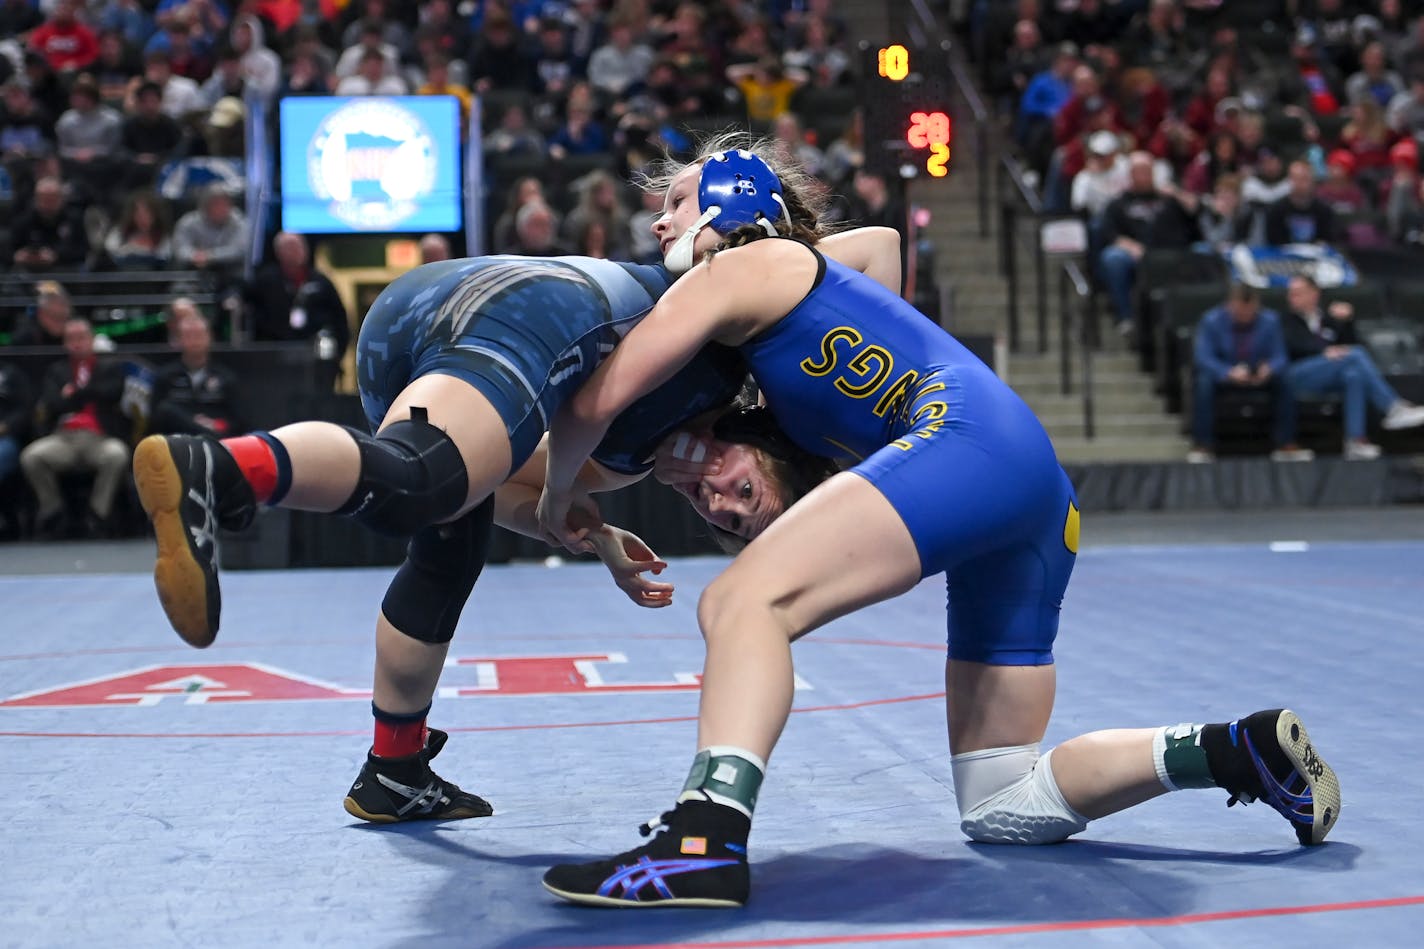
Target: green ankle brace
{"x":726,"y":775}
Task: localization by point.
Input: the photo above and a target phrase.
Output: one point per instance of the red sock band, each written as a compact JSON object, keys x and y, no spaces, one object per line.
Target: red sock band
{"x":257,"y":462}
{"x":398,"y":739}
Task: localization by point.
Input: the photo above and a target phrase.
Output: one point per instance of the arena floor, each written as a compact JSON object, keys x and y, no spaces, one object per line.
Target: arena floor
{"x":158,"y":796}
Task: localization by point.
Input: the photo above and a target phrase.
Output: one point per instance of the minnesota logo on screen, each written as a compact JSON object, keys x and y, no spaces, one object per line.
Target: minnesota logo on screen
{"x":372,"y":161}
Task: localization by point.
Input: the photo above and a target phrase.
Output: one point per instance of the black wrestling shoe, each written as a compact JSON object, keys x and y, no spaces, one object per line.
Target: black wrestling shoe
{"x":1270,"y":758}
{"x":698,"y":858}
{"x":190,"y":486}
{"x":390,"y":790}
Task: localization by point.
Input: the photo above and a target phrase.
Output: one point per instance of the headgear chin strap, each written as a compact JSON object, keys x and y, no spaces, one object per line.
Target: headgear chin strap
{"x":733,"y":189}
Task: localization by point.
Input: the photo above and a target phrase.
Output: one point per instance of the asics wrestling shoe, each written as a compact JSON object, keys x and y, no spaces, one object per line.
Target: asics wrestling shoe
{"x":391,"y":790}
{"x":1271,"y":758}
{"x":190,"y":486}
{"x":698,"y":858}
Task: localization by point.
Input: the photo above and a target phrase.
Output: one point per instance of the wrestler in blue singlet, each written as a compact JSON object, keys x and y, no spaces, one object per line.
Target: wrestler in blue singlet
{"x":525,"y":331}
{"x":542,"y":326}
{"x":856,"y":373}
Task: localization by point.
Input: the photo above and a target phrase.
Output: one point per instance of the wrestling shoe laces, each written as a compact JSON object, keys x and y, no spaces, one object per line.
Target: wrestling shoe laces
{"x":697,"y":857}
{"x":391,"y":790}
{"x":1276,"y":762}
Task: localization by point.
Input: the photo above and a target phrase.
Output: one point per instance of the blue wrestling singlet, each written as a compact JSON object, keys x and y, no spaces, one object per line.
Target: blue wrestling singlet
{"x":856,"y":373}
{"x":712,"y":379}
{"x":524,"y":331}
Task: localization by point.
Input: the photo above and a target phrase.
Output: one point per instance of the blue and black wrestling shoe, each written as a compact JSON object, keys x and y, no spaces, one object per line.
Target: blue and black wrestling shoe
{"x":698,"y":858}
{"x":1267,"y":756}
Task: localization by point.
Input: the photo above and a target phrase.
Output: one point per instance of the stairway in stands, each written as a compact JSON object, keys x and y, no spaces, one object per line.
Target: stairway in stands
{"x":1130,"y":421}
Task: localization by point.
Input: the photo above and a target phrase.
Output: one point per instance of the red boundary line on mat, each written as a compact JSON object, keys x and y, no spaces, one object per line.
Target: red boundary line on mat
{"x":543,"y":726}
{"x":1029,"y":928}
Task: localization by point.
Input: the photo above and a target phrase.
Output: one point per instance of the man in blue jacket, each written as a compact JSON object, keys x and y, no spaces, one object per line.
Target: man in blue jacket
{"x":1240,"y":345}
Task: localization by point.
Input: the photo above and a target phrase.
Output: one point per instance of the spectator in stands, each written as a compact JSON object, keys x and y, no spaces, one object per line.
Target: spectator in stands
{"x":393,"y":32}
{"x":621,"y":65}
{"x":50,"y":236}
{"x":1145,"y":216}
{"x":817,"y":56}
{"x":1240,"y":346}
{"x":114,"y":67}
{"x":16,"y":408}
{"x":186,"y":47}
{"x":226,"y":80}
{"x":526,"y":190}
{"x":580,"y":133}
{"x":1046,"y":95}
{"x":306,"y":77}
{"x":370,"y":39}
{"x":1405,"y":114}
{"x":142,"y":237}
{"x":1375,"y":80}
{"x":1339,"y":189}
{"x":181,"y":97}
{"x":306,"y":41}
{"x":213,"y":236}
{"x":452,"y":32}
{"x":1266,"y":181}
{"x":1369,"y":139}
{"x":600,"y":203}
{"x":1221,"y":156}
{"x":1300,"y":217}
{"x":555,"y":70}
{"x":88,"y":136}
{"x":789,"y":140}
{"x":1088,"y":100}
{"x":149,"y":137}
{"x":49,"y":92}
{"x":45,"y":326}
{"x":1404,"y":215}
{"x":766,"y":87}
{"x":291,"y":300}
{"x":26,"y":132}
{"x":1025,"y":58}
{"x":131,"y":20}
{"x":1316,"y":81}
{"x":1202,"y":110}
{"x":437,"y":83}
{"x":372,"y":78}
{"x":498,"y":60}
{"x":1223,"y":218}
{"x":1326,"y":358}
{"x":84,"y":430}
{"x":65,"y":42}
{"x":514,"y":135}
{"x":1156,"y":39}
{"x":535,"y":233}
{"x":1104,"y":176}
{"x":194,"y":395}
{"x":434,"y":247}
{"x":261,"y":68}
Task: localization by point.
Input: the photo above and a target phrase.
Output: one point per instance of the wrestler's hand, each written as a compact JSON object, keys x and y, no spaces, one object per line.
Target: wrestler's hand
{"x":567,"y":517}
{"x":628,"y":558}
{"x":684,"y":458}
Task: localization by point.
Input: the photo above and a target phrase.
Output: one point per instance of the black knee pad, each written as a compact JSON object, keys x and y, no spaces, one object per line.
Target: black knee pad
{"x":441,"y":567}
{"x":412,"y":475}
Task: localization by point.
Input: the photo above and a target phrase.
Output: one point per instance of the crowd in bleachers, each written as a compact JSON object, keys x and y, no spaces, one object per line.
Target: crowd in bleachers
{"x":1207,"y":140}
{"x":122,"y":142}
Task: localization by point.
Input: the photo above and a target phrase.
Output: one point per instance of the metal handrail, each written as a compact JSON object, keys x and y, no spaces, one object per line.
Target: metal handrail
{"x":1083,"y":320}
{"x":964,"y":82}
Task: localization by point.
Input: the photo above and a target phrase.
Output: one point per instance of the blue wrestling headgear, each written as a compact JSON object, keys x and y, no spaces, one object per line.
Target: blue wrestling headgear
{"x":733,"y":189}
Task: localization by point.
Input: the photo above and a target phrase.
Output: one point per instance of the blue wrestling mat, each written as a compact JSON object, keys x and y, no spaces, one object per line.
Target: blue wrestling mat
{"x":159,"y":796}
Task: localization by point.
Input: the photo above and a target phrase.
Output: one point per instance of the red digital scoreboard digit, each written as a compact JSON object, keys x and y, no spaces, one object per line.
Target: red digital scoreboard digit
{"x":926,"y":129}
